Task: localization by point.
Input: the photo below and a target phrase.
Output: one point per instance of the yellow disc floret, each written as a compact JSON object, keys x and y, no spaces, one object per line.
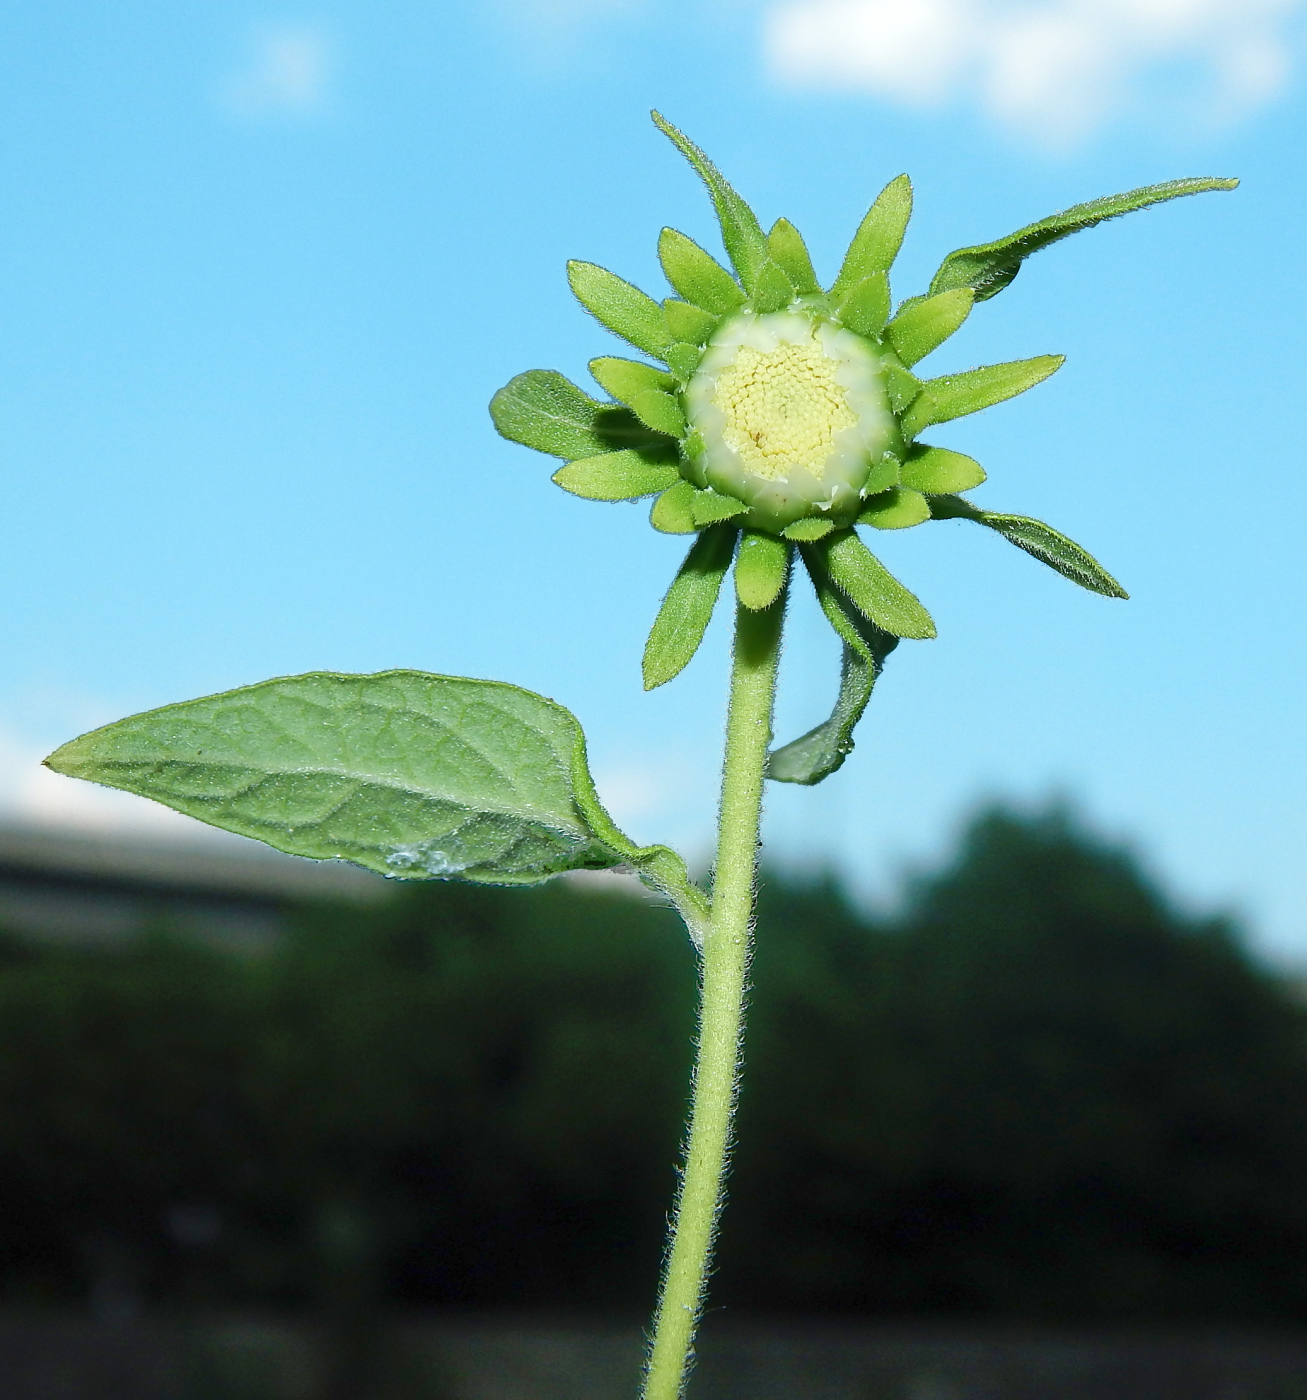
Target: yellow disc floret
{"x":783,"y":408}
{"x":788,"y":414}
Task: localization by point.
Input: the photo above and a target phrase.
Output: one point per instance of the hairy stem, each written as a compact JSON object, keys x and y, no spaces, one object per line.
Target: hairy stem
{"x":721,"y":1003}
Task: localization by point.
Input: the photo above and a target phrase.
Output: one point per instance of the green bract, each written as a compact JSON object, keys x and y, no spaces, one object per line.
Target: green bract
{"x":782,"y":411}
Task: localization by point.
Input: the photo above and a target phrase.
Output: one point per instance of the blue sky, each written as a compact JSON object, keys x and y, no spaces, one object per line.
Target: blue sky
{"x":262,"y":268}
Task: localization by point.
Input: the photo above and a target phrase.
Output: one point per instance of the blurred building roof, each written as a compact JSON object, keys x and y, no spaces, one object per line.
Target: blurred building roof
{"x":90,"y":888}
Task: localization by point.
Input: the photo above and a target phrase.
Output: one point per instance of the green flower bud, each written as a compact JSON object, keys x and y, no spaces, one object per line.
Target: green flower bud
{"x":790,"y":413}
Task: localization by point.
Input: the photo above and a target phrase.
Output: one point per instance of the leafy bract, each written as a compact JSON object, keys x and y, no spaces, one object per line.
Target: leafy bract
{"x":939,"y":470}
{"x":409,"y":774}
{"x":673,"y":511}
{"x":687,"y":323}
{"x":772,"y":288}
{"x":989,"y":267}
{"x":818,"y":753}
{"x":869,"y":585}
{"x":788,"y":250}
{"x":708,"y":507}
{"x":1041,"y":541}
{"x":895,"y":509}
{"x":927,"y":323}
{"x":625,"y":378}
{"x":697,"y":275}
{"x":620,"y":306}
{"x":955,"y":395}
{"x":688,"y":607}
{"x":879,"y":237}
{"x":544,"y":410}
{"x":865,"y":305}
{"x":742,"y":235}
{"x":761,"y":568}
{"x":616,"y":476}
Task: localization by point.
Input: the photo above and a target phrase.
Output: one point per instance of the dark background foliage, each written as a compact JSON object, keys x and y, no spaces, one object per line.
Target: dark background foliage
{"x":1039,"y":1091}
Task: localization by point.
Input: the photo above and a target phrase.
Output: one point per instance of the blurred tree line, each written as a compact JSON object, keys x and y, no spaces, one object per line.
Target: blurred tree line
{"x":1038,"y":1091}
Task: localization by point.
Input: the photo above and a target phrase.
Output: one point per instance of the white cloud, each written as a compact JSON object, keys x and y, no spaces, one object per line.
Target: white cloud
{"x":287,"y":73}
{"x":1054,"y":70}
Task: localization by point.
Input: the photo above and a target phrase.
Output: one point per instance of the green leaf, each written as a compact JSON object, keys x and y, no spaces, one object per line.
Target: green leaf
{"x":884,"y":474}
{"x":870,"y":586}
{"x":772,"y":289}
{"x":989,"y":267}
{"x":955,"y":395}
{"x":895,"y":509}
{"x":688,"y":607}
{"x":673,"y":511}
{"x":659,"y":411}
{"x":787,"y":248}
{"x":864,"y":307}
{"x":927,"y":323}
{"x":1041,"y":541}
{"x":697,"y":275}
{"x":624,"y":309}
{"x":623,"y":379}
{"x":879,"y":237}
{"x":616,"y":476}
{"x":761,"y":568}
{"x":821,"y":751}
{"x":708,"y":507}
{"x":807,"y":530}
{"x":937,"y":470}
{"x":544,"y":410}
{"x":687,"y":323}
{"x":408,"y":774}
{"x":741,"y":233}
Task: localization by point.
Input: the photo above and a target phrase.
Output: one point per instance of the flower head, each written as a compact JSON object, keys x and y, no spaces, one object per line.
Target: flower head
{"x":772,"y":415}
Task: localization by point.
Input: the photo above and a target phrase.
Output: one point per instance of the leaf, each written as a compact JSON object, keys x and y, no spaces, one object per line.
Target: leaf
{"x":408,"y":774}
{"x":864,"y":307}
{"x":673,"y":511}
{"x":787,"y":248}
{"x":761,"y":567}
{"x":821,"y":751}
{"x":927,"y":323}
{"x":688,"y":607}
{"x":937,"y":470}
{"x":879,"y":237}
{"x":625,"y":378}
{"x":708,"y":507}
{"x":623,"y":308}
{"x":989,"y":267}
{"x":772,"y":290}
{"x":544,"y":410}
{"x":955,"y":395}
{"x":1041,"y":541}
{"x":870,"y":586}
{"x":616,"y":476}
{"x":659,"y":411}
{"x":697,"y":275}
{"x":895,"y":509}
{"x":741,"y":233}
{"x":687,"y":323}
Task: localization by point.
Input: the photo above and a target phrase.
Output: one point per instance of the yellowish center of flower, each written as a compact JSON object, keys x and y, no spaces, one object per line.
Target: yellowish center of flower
{"x":783,"y":408}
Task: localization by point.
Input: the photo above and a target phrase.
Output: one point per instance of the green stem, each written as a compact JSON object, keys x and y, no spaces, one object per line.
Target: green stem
{"x":721,"y":1002}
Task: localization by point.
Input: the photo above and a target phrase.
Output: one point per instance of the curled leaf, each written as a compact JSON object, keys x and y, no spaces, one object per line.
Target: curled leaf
{"x":989,"y":267}
{"x":821,"y":751}
{"x":1041,"y":541}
